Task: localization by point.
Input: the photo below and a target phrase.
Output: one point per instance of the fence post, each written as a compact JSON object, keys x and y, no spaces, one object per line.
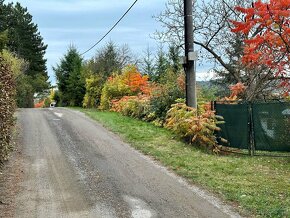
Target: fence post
{"x":213,"y":108}
{"x":212,"y":105}
{"x":251,"y":145}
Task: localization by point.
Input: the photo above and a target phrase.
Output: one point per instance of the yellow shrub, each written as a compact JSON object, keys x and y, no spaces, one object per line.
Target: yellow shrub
{"x":197,"y":126}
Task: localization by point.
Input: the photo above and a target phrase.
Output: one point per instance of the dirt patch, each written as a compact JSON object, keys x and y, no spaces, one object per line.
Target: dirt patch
{"x":11,"y":174}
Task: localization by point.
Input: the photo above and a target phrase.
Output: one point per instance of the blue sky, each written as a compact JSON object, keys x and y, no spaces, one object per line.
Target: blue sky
{"x":83,"y":22}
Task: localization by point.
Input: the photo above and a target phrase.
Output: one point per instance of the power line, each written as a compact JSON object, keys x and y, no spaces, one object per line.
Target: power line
{"x":111,"y":28}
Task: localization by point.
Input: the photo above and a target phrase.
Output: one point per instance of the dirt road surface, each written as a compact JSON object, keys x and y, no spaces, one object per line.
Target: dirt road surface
{"x":73,"y":167}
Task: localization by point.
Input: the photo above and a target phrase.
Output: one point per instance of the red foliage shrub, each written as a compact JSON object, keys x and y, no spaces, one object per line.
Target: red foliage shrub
{"x":39,"y":104}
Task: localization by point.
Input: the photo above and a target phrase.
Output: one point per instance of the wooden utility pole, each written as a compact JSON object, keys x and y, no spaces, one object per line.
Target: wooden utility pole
{"x":190,"y":55}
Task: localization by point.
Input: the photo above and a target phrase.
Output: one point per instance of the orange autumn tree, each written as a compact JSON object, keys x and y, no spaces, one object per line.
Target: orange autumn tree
{"x":266,"y":27}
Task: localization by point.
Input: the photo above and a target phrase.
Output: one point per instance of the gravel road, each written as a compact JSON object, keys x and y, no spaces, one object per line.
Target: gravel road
{"x":76,"y":168}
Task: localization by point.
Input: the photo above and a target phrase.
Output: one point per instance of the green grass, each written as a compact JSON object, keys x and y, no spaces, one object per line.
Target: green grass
{"x":258,"y":186}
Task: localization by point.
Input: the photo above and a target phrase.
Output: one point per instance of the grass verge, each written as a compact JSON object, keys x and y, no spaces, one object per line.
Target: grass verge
{"x":258,"y":186}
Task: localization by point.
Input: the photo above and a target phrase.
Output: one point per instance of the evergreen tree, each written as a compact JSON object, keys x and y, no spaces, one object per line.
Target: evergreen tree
{"x":3,"y":16}
{"x":24,"y":40}
{"x":107,"y":61}
{"x":162,"y":64}
{"x":173,"y":56}
{"x":3,"y":40}
{"x":71,"y":83}
{"x":148,"y":67}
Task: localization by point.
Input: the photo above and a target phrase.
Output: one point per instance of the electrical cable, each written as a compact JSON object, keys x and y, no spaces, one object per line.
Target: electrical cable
{"x":111,"y":28}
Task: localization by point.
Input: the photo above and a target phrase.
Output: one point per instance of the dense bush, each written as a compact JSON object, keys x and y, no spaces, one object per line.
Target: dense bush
{"x":24,"y":86}
{"x":7,"y":107}
{"x":93,"y":91}
{"x":161,"y":100}
{"x":133,"y":106}
{"x":114,"y":88}
{"x":132,"y":95}
{"x":197,"y":126}
{"x":25,"y":92}
{"x":47,"y":102}
{"x":164,"y":94}
{"x":129,"y":83}
{"x":40,"y":104}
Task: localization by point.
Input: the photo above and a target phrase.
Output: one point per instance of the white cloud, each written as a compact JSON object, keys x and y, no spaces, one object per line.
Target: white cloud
{"x":204,"y":75}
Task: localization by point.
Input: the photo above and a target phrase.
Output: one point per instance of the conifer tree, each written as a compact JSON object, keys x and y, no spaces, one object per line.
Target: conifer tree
{"x":173,"y":56}
{"x":71,"y":83}
{"x":24,"y":40}
{"x":162,"y":64}
{"x":107,"y":60}
{"x":148,"y":67}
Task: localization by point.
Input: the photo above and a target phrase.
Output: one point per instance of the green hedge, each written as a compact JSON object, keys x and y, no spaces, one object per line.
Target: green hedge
{"x":7,"y":107}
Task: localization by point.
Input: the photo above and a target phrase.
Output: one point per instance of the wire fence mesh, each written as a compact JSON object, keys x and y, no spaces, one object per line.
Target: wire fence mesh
{"x":263,"y":126}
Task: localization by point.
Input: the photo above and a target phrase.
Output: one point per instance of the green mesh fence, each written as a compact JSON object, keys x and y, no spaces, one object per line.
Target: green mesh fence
{"x":267,"y":123}
{"x":271,"y":126}
{"x":235,"y":129}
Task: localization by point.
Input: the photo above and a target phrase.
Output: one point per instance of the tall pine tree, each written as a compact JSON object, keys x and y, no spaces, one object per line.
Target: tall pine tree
{"x":24,"y":40}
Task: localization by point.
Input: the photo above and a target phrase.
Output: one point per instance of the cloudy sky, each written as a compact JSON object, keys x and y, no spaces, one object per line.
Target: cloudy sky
{"x":84,"y":22}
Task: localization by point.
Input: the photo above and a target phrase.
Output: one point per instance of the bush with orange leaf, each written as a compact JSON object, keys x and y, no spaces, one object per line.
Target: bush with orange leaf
{"x":236,"y":91}
{"x":129,"y":83}
{"x":133,"y":106}
{"x":195,"y":125}
{"x":39,"y":104}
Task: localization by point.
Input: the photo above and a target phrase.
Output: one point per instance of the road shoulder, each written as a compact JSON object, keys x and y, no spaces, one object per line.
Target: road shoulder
{"x":11,"y":176}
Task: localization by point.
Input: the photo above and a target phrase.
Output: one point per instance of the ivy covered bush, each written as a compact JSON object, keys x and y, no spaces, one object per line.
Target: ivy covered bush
{"x":7,"y":107}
